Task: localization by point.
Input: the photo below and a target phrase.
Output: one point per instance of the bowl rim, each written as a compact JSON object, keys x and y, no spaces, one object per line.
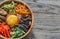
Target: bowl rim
{"x":31,"y":23}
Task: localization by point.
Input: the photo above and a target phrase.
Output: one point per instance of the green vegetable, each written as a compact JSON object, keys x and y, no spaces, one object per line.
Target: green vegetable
{"x":16,"y":32}
{"x":9,"y":7}
{"x":12,"y":11}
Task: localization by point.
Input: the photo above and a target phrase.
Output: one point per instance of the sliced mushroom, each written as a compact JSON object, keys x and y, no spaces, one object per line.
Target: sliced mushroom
{"x":2,"y":18}
{"x":3,"y":12}
{"x":25,"y":19}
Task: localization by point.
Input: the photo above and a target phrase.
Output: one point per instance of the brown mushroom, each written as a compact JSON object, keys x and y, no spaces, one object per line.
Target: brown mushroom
{"x":3,"y":12}
{"x":2,"y":18}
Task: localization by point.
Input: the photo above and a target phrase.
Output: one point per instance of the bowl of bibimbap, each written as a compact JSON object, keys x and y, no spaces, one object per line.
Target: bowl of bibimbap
{"x":16,"y":19}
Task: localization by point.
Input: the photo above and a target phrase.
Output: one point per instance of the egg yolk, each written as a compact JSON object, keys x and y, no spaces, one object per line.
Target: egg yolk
{"x":12,"y":19}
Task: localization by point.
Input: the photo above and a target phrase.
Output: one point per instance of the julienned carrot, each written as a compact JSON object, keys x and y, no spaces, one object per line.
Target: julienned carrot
{"x":1,"y":30}
{"x":5,"y":29}
{"x":22,"y":9}
{"x":7,"y":34}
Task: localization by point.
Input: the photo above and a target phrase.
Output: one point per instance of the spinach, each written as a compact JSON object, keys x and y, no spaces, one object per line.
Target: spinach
{"x":16,"y":32}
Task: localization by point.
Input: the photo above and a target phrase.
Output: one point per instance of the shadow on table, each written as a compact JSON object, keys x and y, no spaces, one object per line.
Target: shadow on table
{"x":30,"y":36}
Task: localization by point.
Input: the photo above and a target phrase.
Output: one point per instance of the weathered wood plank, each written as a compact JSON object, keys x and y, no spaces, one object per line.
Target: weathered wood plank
{"x":39,"y":34}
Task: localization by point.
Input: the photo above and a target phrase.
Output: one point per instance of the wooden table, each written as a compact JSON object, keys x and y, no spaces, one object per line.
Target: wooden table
{"x":46,"y":19}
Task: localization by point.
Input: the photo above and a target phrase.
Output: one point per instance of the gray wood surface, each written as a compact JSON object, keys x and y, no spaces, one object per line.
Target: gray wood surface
{"x":46,"y":19}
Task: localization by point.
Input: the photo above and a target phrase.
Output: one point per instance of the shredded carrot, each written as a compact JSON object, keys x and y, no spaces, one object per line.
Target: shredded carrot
{"x":22,"y":9}
{"x":5,"y":29}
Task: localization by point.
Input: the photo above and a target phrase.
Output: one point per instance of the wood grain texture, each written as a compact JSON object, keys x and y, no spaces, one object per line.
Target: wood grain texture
{"x":47,"y":19}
